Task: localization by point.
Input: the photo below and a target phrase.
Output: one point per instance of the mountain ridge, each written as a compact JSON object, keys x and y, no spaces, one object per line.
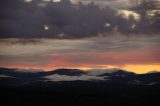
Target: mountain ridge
{"x":76,"y":87}
{"x":110,"y":70}
{"x":60,"y":75}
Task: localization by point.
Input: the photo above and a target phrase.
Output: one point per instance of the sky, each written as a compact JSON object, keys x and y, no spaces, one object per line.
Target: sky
{"x":63,"y":34}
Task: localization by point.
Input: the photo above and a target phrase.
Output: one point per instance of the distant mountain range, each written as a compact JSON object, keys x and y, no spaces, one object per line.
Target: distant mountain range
{"x":73,"y":87}
{"x":17,"y":77}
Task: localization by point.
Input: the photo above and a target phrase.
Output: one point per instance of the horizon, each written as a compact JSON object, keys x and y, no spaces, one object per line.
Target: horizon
{"x":83,"y":69}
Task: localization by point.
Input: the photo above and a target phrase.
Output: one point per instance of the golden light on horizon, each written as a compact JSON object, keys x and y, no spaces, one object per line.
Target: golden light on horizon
{"x":139,"y":69}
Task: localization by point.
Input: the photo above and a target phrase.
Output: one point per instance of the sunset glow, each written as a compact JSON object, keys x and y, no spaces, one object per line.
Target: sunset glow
{"x":64,"y":34}
{"x":139,"y":69}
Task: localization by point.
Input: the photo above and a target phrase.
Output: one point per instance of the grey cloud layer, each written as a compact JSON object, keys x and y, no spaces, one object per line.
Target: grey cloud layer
{"x":20,"y":47}
{"x":35,"y":52}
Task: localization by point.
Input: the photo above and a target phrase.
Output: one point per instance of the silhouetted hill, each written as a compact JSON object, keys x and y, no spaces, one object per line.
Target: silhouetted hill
{"x":74,"y":87}
{"x":120,"y":73}
{"x":70,"y":72}
{"x":18,"y":78}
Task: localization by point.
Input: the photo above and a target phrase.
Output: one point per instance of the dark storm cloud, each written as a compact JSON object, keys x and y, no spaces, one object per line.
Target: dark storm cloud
{"x":65,"y":20}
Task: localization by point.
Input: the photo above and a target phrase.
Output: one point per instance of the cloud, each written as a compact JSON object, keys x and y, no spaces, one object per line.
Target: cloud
{"x":110,"y":43}
{"x":113,"y":3}
{"x":57,"y":77}
{"x":15,"y":41}
{"x":66,"y":20}
{"x":96,"y":51}
{"x":6,"y":76}
{"x":129,"y":15}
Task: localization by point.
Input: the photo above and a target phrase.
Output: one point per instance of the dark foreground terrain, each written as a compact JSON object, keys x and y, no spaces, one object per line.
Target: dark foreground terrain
{"x":126,"y":89}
